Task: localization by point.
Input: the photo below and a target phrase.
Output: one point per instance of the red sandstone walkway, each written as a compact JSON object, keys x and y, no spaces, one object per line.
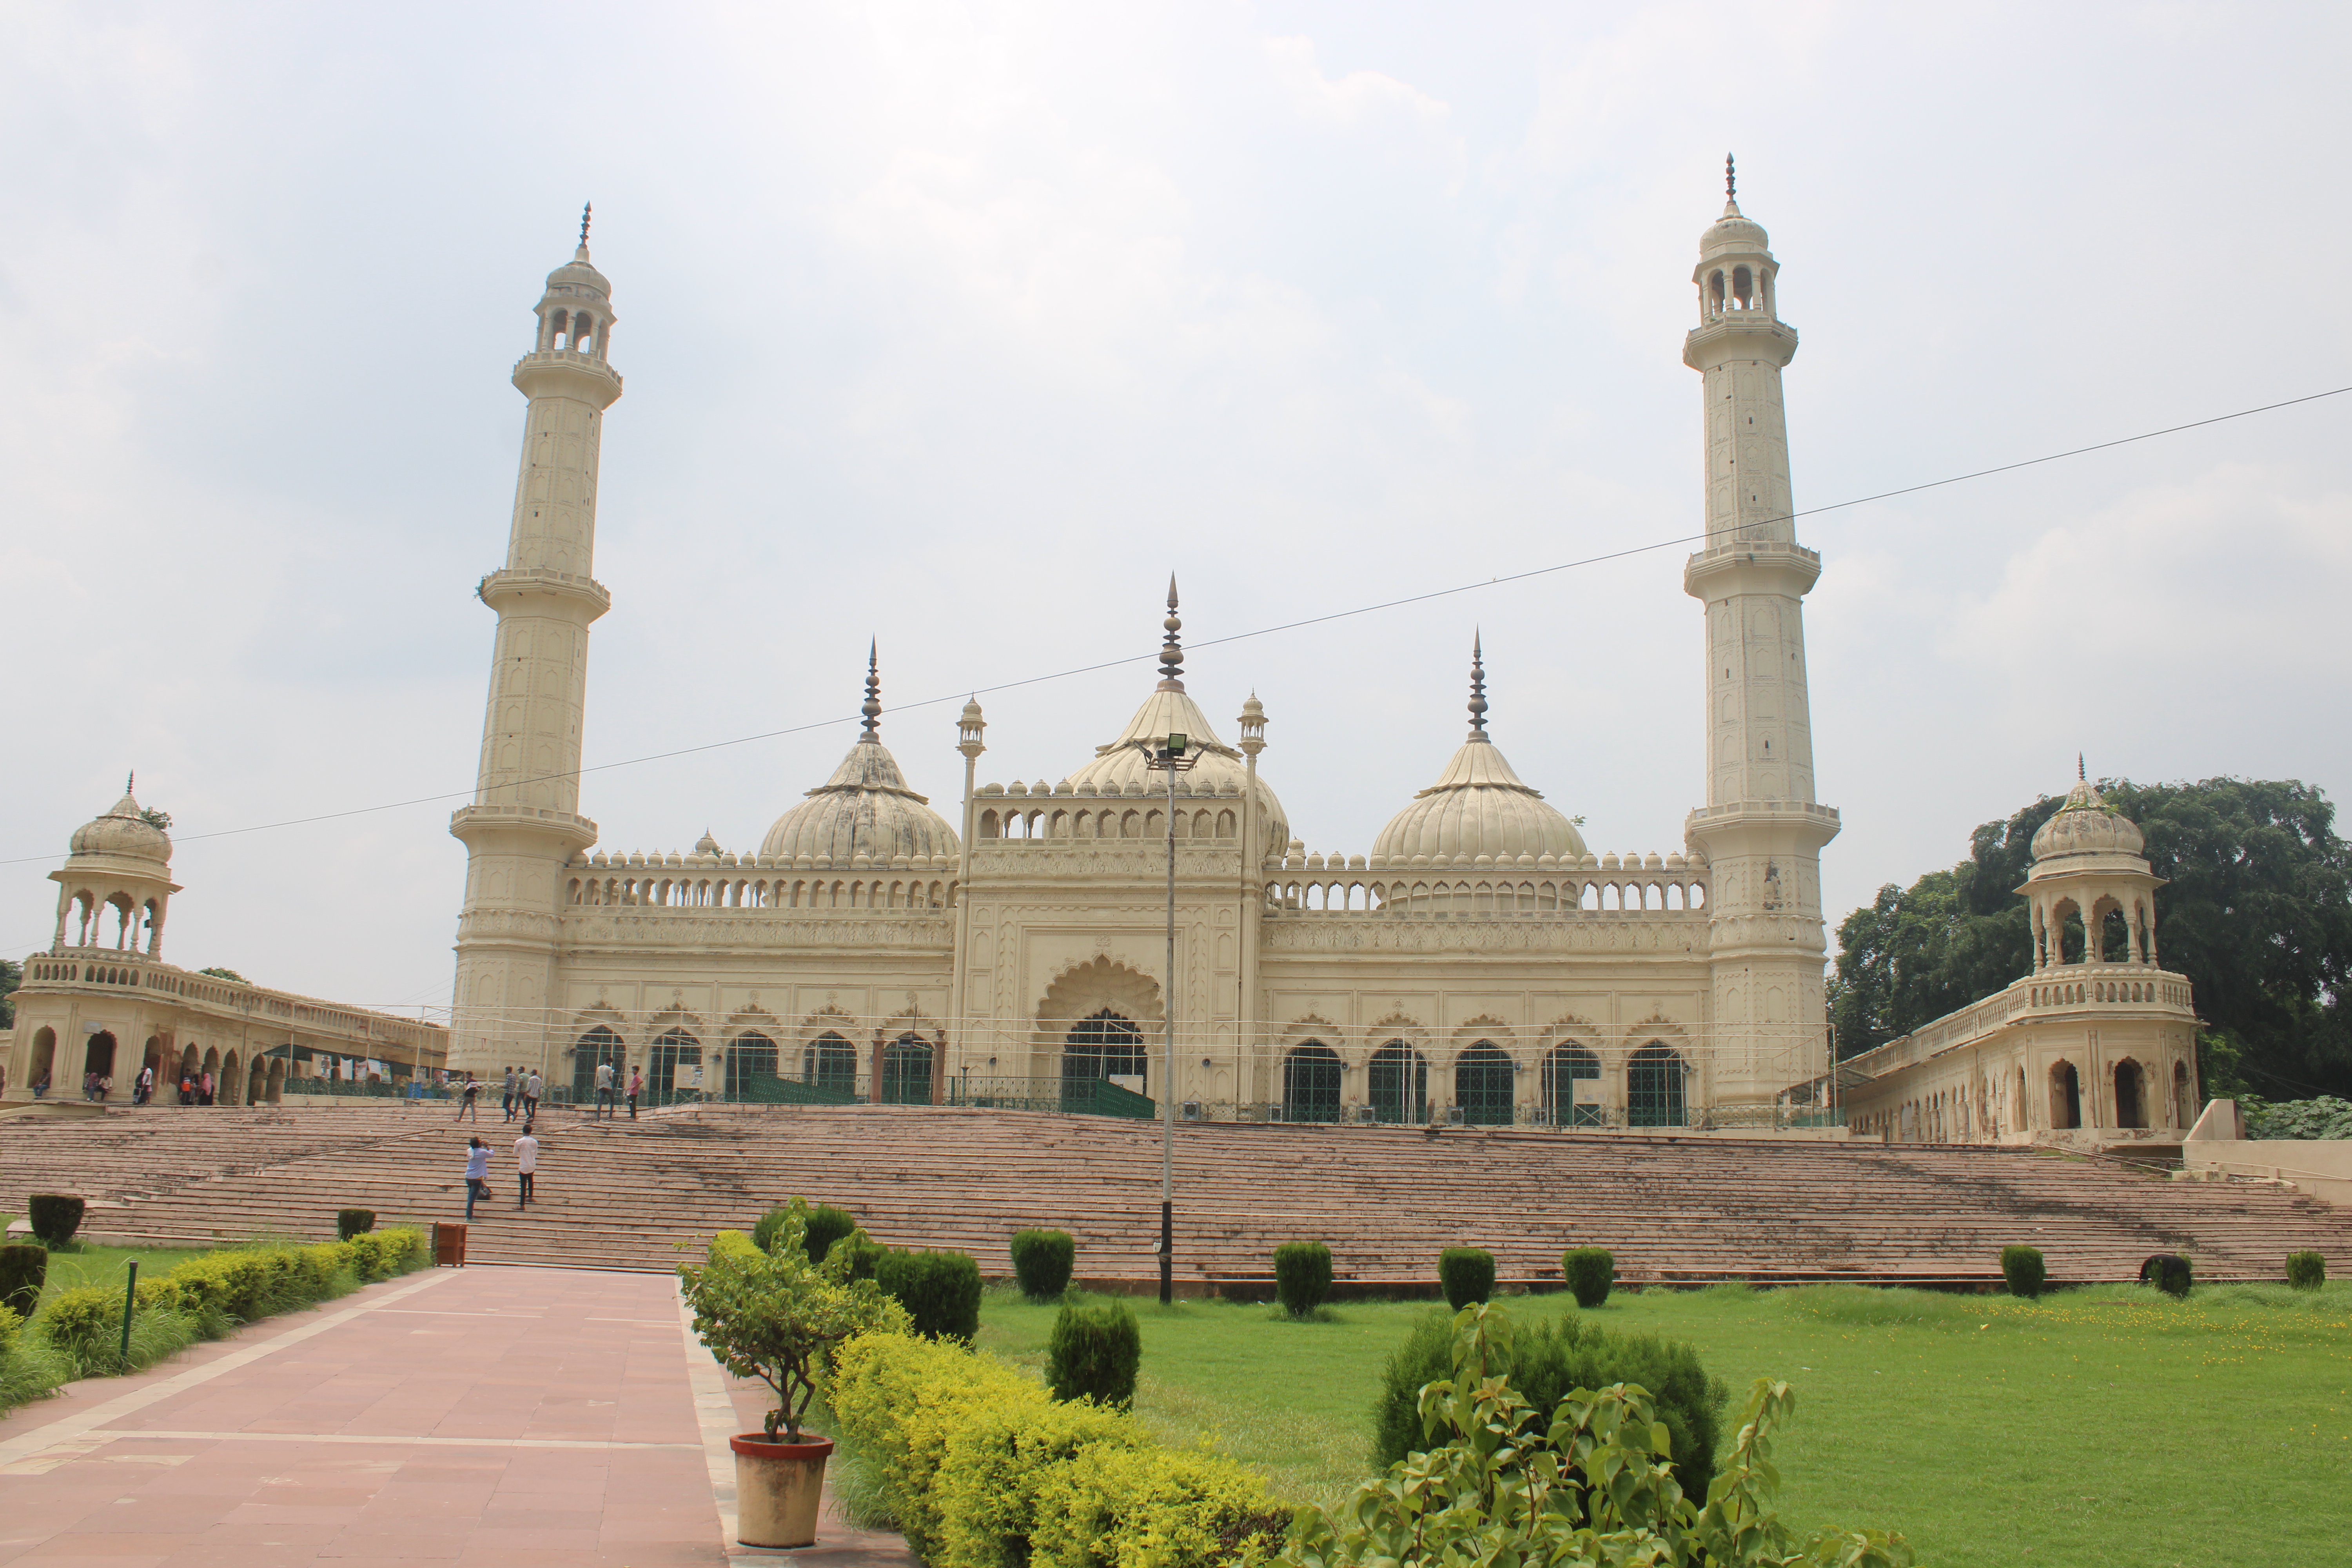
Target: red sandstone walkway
{"x":516,"y":1416}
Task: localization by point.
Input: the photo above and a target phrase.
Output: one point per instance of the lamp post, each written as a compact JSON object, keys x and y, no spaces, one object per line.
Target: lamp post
{"x":968,"y":732}
{"x":1172,"y":756}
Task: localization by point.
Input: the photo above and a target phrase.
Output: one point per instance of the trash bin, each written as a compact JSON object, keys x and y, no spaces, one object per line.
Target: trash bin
{"x":449,"y":1246}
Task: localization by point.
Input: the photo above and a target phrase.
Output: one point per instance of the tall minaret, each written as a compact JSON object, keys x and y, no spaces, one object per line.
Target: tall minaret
{"x":525,"y":820}
{"x":1762,"y":830}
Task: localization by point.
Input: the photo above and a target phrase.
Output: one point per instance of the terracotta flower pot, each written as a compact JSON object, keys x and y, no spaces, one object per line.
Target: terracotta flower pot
{"x":778,"y":1487}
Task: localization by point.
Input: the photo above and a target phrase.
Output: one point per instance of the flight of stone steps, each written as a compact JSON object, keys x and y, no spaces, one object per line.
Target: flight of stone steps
{"x":641,"y":1194}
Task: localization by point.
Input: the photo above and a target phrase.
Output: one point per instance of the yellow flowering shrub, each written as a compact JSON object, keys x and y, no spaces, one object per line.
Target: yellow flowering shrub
{"x":1153,"y":1508}
{"x":986,"y":1491}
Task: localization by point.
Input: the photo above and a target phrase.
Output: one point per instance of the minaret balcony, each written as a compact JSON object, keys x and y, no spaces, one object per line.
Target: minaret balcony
{"x":577,"y":831}
{"x":1740,"y":334}
{"x":1752,"y":565}
{"x":514,"y":581}
{"x":567,"y":373}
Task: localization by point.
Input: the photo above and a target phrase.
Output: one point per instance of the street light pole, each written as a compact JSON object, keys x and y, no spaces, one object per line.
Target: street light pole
{"x":1172,"y":756}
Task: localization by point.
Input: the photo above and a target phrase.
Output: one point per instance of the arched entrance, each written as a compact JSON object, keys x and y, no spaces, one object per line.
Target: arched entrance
{"x":599,"y":1046}
{"x":907,"y":1072}
{"x":256,"y":1083}
{"x":232,"y":1085}
{"x":2065,"y":1095}
{"x":2131,"y":1094}
{"x":276,"y":1089}
{"x":1102,"y":1047}
{"x":1653,"y":1086}
{"x":44,"y":1059}
{"x":1400,"y":1084}
{"x":752,"y":1055}
{"x":1310,"y":1083}
{"x":830,"y":1062}
{"x":1563,"y":1069}
{"x":675,"y":1049}
{"x":1094,"y":1020}
{"x":1482,"y":1085}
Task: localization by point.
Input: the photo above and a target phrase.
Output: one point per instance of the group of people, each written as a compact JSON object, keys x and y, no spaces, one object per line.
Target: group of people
{"x":604,"y":1088}
{"x":478,"y":1170}
{"x":523,"y":1088}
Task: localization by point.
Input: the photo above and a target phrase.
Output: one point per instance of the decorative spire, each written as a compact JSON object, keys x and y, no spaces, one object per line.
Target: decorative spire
{"x":872,"y":707}
{"x":1171,"y":652}
{"x":587,"y":210}
{"x":129,"y":782}
{"x":2082,"y":774}
{"x":1731,"y":188}
{"x":1478,"y":686}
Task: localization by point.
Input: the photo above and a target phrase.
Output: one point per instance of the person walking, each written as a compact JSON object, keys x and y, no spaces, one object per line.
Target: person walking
{"x":477,"y":1173}
{"x":146,"y":1095}
{"x":204,"y":1088}
{"x":470,"y":1099}
{"x":532,"y":1087}
{"x":603,"y":1107}
{"x":526,"y":1167}
{"x":636,"y":1087}
{"x":506,"y":1100}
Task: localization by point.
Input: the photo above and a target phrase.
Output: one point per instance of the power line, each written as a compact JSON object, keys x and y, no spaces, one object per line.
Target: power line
{"x":1267,"y":631}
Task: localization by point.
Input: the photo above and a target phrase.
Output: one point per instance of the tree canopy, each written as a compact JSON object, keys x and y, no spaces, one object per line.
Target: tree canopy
{"x":2257,"y":911}
{"x":218,"y":973}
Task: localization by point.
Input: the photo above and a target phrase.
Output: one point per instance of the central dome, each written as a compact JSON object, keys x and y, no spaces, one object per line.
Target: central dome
{"x":865,"y":808}
{"x":1478,"y":805}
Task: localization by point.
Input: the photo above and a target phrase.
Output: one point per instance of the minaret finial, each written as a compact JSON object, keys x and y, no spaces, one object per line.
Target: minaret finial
{"x":1730,"y":179}
{"x":587,"y":210}
{"x":1478,"y":686}
{"x":872,"y":707}
{"x":1172,"y":651}
{"x":2082,"y":774}
{"x":129,"y":781}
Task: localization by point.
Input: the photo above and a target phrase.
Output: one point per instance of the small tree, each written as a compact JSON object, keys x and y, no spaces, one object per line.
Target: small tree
{"x":1590,"y":1272}
{"x":1302,"y":1276}
{"x":1467,"y":1274}
{"x":2022,"y":1267}
{"x":2307,"y":1270}
{"x":1041,"y":1260}
{"x":1093,"y":1353}
{"x":774,"y":1315}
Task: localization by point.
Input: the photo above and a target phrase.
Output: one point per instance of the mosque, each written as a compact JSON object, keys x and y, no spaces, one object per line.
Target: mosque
{"x":1152,"y":923}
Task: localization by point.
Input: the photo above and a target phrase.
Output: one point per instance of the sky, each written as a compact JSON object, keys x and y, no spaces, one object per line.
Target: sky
{"x":960,"y":327}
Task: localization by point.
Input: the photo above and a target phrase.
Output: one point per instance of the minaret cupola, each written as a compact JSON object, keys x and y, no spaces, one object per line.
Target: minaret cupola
{"x":1736,"y":269}
{"x":575,"y":314}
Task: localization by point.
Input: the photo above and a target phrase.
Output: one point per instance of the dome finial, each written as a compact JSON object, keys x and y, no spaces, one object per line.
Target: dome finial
{"x":2080,"y":774}
{"x":587,"y":210}
{"x":1478,"y":685}
{"x":1172,"y":651}
{"x":1730,"y":187}
{"x":872,"y":706}
{"x":131,"y":781}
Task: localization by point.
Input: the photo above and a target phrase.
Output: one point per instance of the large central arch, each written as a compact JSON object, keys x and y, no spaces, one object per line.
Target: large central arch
{"x":1097,"y":1013}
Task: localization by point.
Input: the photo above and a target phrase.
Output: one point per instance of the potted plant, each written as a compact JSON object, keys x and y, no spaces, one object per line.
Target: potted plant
{"x":774,"y":1316}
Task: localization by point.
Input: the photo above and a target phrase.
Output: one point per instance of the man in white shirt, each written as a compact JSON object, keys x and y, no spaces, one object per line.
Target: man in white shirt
{"x":532,"y":1087}
{"x":603,"y":1089}
{"x":525,"y":1166}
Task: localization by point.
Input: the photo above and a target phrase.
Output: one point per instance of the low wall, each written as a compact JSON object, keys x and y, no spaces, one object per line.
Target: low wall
{"x":2321,"y":1167}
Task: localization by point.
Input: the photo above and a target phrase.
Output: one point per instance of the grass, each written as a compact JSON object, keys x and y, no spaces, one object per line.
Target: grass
{"x":2108,"y":1426}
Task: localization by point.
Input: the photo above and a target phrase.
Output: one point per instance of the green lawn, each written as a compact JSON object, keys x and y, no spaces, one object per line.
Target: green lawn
{"x":2110,"y":1426}
{"x":89,"y":1265}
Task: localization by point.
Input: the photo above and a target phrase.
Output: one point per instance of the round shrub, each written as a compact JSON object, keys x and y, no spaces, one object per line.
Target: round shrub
{"x":2304,"y":1270}
{"x":1041,"y":1260}
{"x":1302,"y":1276}
{"x":1552,"y":1360}
{"x":2168,"y":1272}
{"x":2022,"y":1269}
{"x":940,"y":1291}
{"x":349,"y":1223}
{"x":1467,"y":1275}
{"x":768,"y":1227}
{"x":1092,"y":1355}
{"x":826,"y":1225}
{"x":1590,"y":1272}
{"x":55,"y":1216}
{"x":24,"y":1269}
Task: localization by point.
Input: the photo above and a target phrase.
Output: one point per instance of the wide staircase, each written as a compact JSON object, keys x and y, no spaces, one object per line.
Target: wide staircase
{"x":641,"y":1194}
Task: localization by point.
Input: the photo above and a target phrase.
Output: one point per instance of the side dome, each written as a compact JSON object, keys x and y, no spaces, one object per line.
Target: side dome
{"x":1478,"y":805}
{"x":124,"y":832}
{"x":2087,"y":825}
{"x":865,"y":808}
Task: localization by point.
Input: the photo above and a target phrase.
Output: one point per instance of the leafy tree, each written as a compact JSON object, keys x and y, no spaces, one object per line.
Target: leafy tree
{"x":226,"y":974}
{"x":2257,"y":911}
{"x":12,"y":975}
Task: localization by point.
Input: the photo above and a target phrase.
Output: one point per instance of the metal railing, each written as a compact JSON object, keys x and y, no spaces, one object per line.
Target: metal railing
{"x":1068,"y":1096}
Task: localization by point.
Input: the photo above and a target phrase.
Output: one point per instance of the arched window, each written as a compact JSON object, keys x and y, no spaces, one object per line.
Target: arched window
{"x":676,"y":1050}
{"x":1400,"y":1084}
{"x":752,"y":1055}
{"x":1653,"y":1086}
{"x":45,"y":1056}
{"x":598,"y":1045}
{"x":1105,"y":1046}
{"x":98,"y":1057}
{"x":2065,"y":1095}
{"x":2131,"y":1094}
{"x":907,"y":1072}
{"x":1482,"y":1085}
{"x":1310,"y":1083}
{"x":1563,"y":1069}
{"x":830,"y":1062}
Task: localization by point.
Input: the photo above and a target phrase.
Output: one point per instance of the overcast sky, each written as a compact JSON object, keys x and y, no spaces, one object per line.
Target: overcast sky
{"x":962,"y":326}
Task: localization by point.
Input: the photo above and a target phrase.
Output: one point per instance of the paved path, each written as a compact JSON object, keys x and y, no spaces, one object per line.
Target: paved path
{"x":516,"y":1416}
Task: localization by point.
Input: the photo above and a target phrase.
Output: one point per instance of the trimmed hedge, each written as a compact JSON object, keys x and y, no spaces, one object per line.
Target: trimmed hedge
{"x":1552,"y":1360}
{"x":2307,"y":1270}
{"x":1093,"y":1354}
{"x":1042,"y":1262}
{"x":983,"y":1469}
{"x":1467,"y":1274}
{"x":2168,"y":1272}
{"x":349,"y":1223}
{"x":940,"y":1291}
{"x":54,"y":1216}
{"x":1590,"y":1272}
{"x":2021,"y":1268}
{"x":24,"y":1269}
{"x":1302,"y":1276}
{"x":826,"y":1225}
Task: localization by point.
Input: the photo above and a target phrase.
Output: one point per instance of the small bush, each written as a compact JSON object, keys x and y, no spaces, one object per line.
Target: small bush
{"x":986,"y":1491}
{"x":769,"y":1226}
{"x":1302,"y":1276}
{"x":1092,"y":1355}
{"x":1042,"y":1261}
{"x":940,"y":1291}
{"x":81,"y":1320}
{"x":55,"y":1217}
{"x":2023,"y":1269}
{"x":2304,"y":1270}
{"x":2168,"y":1272}
{"x":1466,"y":1274}
{"x":349,"y":1223}
{"x":24,"y":1269}
{"x":1590,"y":1272}
{"x":1181,"y":1505}
{"x":827,"y":1225}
